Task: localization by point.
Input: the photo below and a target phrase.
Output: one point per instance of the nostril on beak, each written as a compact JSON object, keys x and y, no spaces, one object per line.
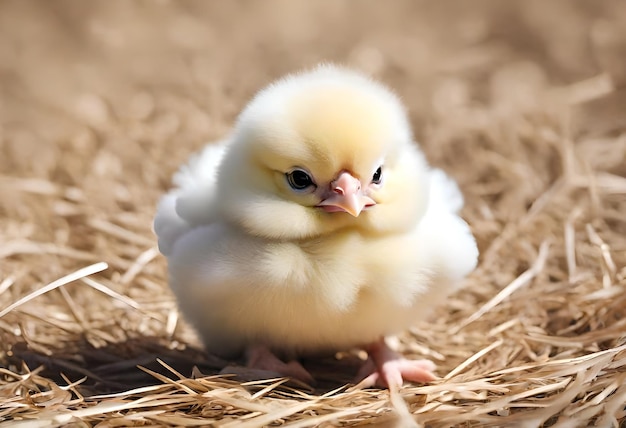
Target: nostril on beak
{"x":339,"y":190}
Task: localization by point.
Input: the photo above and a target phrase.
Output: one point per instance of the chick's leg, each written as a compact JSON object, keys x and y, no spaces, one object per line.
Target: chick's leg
{"x":262,"y":358}
{"x":387,"y":368}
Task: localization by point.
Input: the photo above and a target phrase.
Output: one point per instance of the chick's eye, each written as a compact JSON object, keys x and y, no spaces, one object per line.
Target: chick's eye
{"x":378,"y":175}
{"x":299,"y":180}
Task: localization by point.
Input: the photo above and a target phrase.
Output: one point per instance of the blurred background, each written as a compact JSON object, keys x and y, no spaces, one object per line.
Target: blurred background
{"x":185,"y":68}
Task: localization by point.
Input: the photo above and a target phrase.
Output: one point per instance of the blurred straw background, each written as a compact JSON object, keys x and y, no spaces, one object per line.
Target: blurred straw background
{"x":524,"y":102}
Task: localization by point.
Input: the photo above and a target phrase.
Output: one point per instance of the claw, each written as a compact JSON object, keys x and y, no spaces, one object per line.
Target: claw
{"x":388,"y":369}
{"x":262,"y":358}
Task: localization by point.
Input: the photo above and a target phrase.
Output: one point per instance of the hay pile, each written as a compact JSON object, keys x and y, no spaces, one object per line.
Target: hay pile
{"x":522,"y":102}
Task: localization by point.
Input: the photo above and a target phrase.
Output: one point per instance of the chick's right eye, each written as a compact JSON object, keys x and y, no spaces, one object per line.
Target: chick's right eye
{"x":299,"y":180}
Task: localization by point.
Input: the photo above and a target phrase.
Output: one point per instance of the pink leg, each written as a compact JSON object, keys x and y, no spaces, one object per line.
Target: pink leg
{"x":387,"y":368}
{"x":262,"y":358}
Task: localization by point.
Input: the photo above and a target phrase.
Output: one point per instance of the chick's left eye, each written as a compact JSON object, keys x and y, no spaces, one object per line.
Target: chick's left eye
{"x":378,"y":175}
{"x":299,"y":180}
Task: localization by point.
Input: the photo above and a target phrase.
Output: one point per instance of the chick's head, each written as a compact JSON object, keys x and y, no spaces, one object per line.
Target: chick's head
{"x":321,"y":151}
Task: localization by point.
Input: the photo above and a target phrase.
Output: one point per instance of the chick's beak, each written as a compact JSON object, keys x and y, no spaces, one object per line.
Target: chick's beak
{"x":345,"y":195}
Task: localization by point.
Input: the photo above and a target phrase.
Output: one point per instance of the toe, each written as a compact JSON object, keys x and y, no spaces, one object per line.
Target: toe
{"x":295,"y":370}
{"x":262,"y":358}
{"x":392,"y":375}
{"x":416,"y":371}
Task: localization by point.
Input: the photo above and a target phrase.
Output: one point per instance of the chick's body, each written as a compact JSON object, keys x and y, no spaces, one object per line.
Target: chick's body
{"x":316,"y":226}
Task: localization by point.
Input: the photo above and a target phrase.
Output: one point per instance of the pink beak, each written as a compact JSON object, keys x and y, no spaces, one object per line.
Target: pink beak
{"x":346,"y":195}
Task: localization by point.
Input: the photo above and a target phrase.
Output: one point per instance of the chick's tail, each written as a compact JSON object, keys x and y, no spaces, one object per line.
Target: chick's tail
{"x":188,"y":204}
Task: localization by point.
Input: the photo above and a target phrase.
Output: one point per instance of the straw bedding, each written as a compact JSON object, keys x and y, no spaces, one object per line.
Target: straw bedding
{"x":522,"y":102}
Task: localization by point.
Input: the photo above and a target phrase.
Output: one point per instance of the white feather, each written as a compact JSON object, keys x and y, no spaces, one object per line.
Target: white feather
{"x":444,"y":192}
{"x":185,"y":206}
{"x":201,"y":169}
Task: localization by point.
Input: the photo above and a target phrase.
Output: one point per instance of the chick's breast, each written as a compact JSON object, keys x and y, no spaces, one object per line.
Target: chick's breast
{"x":323,"y":295}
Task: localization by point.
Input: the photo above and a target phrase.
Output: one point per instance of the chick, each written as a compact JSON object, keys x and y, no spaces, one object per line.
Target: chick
{"x":316,"y":226}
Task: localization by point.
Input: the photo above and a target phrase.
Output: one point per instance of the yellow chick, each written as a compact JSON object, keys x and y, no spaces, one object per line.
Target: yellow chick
{"x":316,"y":226}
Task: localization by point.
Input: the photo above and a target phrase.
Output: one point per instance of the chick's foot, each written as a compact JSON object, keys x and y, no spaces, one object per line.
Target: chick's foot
{"x":260,"y":357}
{"x":386,"y":368}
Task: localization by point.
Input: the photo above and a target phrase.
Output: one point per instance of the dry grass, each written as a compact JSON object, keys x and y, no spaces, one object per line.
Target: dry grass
{"x":523,"y":102}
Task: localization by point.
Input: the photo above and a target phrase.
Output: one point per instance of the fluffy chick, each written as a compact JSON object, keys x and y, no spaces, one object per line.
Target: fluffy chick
{"x":317,"y":226}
